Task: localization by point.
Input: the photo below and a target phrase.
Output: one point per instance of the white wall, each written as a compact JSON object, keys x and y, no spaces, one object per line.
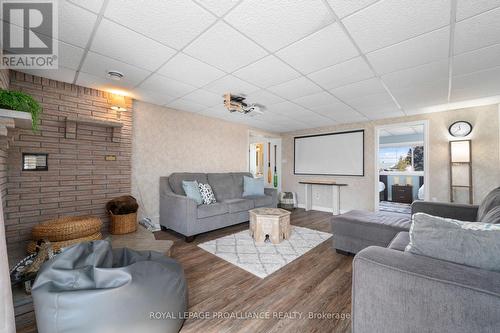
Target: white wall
{"x":360,"y":193}
{"x":167,"y":141}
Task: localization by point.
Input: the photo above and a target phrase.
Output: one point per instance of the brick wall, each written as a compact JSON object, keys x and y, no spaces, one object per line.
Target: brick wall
{"x":4,"y":84}
{"x":79,"y":180}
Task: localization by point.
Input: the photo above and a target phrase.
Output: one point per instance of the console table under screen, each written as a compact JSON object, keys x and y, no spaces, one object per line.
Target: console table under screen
{"x":335,"y":193}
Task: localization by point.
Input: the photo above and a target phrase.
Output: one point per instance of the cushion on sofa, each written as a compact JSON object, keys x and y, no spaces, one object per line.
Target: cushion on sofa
{"x":238,"y":182}
{"x":239,"y":205}
{"x":176,"y":178}
{"x":253,"y":186}
{"x":215,"y":209}
{"x":261,"y":200}
{"x":400,"y":242}
{"x":473,"y":244}
{"x":493,"y":216}
{"x":491,"y":201}
{"x":192,"y":191}
{"x":223,"y":186}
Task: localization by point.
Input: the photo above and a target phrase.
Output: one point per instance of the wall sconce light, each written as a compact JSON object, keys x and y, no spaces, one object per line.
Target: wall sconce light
{"x":118,"y":103}
{"x":460,"y":151}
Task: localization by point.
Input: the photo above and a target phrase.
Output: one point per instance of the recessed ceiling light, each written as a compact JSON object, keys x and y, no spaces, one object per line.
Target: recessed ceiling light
{"x":115,"y":75}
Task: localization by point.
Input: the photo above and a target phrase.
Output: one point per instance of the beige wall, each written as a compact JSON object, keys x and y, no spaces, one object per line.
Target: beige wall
{"x":166,"y":141}
{"x":360,"y":193}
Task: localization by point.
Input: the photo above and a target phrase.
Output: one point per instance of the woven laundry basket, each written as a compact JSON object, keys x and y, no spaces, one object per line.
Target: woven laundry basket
{"x":67,"y":228}
{"x":122,"y":224}
{"x":56,"y":246}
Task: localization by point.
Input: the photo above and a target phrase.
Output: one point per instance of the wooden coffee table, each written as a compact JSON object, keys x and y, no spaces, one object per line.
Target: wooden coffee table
{"x":272,"y":222}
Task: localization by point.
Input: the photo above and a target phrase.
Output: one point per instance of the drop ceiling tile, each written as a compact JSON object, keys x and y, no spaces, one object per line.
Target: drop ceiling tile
{"x":185,"y":105}
{"x":476,"y":85}
{"x":385,"y":115}
{"x":350,"y":71}
{"x":361,"y":88}
{"x":166,"y":85}
{"x":340,"y":112}
{"x":476,"y":60}
{"x":61,"y":74}
{"x":204,"y":97}
{"x":373,"y":104}
{"x":92,"y":5}
{"x":288,"y":109}
{"x":101,"y":83}
{"x":225,"y":48}
{"x":115,"y":41}
{"x":346,"y":7}
{"x":231,"y":84}
{"x":295,"y":88}
{"x":69,"y":55}
{"x":75,"y":24}
{"x":468,"y":8}
{"x":98,"y":65}
{"x":433,"y":72}
{"x":419,"y":50}
{"x":174,"y":23}
{"x":266,"y":72}
{"x":392,"y":21}
{"x":275,"y":24}
{"x":218,"y":7}
{"x":315,"y":100}
{"x":324,"y":48}
{"x":154,"y":97}
{"x":264,"y":97}
{"x":315,"y":119}
{"x":189,"y":70}
{"x":420,"y":96}
{"x":478,"y":31}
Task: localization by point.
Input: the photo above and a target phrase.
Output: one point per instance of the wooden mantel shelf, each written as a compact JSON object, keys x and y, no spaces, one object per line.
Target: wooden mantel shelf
{"x":72,"y":122}
{"x":13,"y":119}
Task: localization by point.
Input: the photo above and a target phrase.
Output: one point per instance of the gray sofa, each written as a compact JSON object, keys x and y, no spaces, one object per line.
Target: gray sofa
{"x":183,"y":215}
{"x":397,"y":291}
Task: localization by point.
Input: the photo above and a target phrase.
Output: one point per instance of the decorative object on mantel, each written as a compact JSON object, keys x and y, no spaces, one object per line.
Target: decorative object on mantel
{"x":18,"y":101}
{"x":72,"y":122}
{"x":123,"y":214}
{"x":65,"y":231}
{"x":118,"y":103}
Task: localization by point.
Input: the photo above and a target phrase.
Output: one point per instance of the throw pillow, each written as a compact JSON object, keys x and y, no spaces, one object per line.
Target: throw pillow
{"x":192,"y":191}
{"x":473,"y":244}
{"x":207,"y":194}
{"x":253,"y":186}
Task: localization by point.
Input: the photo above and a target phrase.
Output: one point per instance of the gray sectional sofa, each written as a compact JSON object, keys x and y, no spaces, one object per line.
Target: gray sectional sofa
{"x":183,"y":215}
{"x":397,"y":291}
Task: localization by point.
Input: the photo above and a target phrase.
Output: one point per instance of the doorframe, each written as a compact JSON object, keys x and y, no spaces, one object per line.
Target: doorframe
{"x":377,"y":130}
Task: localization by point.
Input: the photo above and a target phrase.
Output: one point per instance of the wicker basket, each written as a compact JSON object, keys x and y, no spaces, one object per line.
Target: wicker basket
{"x":122,"y":224}
{"x":31,"y":247}
{"x":67,"y":228}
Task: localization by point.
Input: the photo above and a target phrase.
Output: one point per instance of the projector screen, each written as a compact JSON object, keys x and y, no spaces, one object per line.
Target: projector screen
{"x":340,"y":154}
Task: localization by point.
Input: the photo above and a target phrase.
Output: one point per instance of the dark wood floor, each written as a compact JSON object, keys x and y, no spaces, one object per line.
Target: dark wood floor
{"x":318,"y":282}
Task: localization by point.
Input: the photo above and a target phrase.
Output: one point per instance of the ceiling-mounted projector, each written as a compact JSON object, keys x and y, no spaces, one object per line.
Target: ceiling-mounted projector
{"x":236,"y":103}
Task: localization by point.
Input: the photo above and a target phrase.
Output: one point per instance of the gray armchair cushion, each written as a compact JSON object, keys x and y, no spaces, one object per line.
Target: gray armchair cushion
{"x":491,"y":201}
{"x":215,"y":209}
{"x":493,"y":216}
{"x":91,"y":288}
{"x":443,"y":209}
{"x":261,"y":200}
{"x":223,"y":186}
{"x":400,"y":241}
{"x":175,"y":180}
{"x":239,"y":205}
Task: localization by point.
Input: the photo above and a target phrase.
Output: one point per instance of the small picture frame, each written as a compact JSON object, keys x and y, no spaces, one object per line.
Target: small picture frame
{"x":35,"y":162}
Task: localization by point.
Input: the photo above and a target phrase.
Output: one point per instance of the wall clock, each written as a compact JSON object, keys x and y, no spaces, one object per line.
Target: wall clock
{"x":460,"y":128}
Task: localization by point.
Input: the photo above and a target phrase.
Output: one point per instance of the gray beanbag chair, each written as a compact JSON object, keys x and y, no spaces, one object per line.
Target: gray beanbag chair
{"x":92,"y":288}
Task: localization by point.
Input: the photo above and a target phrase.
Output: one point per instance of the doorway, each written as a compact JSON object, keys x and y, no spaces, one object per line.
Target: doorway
{"x":264,"y":159}
{"x":401,"y":174}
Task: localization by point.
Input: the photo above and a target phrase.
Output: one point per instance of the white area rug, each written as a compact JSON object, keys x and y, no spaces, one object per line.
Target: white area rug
{"x":262,"y":260}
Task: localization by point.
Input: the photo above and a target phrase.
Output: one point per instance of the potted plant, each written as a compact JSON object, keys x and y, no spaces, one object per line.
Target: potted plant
{"x":18,"y":101}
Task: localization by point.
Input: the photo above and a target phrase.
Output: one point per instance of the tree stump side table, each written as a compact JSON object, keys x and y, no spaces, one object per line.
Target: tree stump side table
{"x":272,"y":222}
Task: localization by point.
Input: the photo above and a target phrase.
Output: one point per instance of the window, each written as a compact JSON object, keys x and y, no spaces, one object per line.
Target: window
{"x":401,"y":158}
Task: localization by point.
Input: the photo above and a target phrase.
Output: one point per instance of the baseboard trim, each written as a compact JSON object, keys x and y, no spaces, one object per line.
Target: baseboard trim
{"x":321,"y":208}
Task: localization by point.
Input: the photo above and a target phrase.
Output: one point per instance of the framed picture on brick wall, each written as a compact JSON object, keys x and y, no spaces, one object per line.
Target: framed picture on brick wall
{"x":35,"y":162}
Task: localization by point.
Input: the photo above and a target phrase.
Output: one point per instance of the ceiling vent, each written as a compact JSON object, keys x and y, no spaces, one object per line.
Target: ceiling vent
{"x":115,"y":75}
